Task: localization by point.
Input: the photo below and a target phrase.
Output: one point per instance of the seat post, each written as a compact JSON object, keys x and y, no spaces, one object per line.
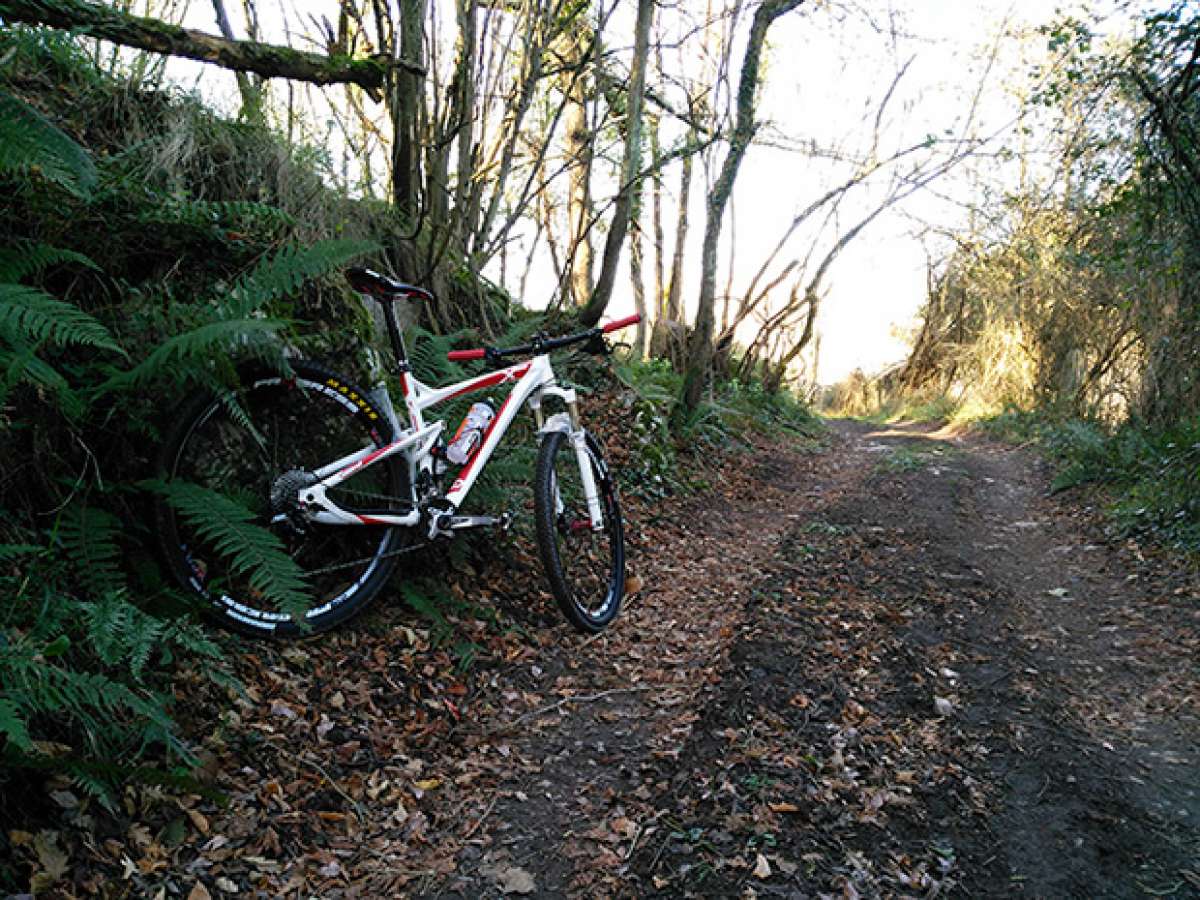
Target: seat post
{"x":395,"y":336}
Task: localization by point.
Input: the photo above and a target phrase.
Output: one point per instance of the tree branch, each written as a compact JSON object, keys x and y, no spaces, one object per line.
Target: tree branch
{"x":267,"y":60}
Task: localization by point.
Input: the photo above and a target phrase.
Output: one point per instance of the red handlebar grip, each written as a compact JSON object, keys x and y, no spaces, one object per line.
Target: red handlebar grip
{"x":463,"y":355}
{"x":621,"y":323}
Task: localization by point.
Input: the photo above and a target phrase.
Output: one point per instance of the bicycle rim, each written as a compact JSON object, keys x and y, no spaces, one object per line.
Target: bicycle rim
{"x":268,"y":437}
{"x":585,"y":566}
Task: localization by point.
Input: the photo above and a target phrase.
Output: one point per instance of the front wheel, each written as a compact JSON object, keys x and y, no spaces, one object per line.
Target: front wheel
{"x":584,"y":564}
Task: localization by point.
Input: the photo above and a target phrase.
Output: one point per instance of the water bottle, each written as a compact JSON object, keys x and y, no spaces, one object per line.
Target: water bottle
{"x":470,"y":433}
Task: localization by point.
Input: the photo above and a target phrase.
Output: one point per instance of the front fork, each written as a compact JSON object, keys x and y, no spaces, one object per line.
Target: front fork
{"x":578,"y":438}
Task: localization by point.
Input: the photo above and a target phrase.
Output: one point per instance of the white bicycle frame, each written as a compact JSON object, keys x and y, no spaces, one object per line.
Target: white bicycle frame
{"x":532,"y":381}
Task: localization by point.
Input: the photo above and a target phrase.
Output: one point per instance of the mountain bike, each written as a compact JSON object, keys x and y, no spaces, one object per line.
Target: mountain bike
{"x":348,"y":488}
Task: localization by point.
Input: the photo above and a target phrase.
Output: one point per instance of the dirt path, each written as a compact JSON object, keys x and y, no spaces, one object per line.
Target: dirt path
{"x":894,"y":668}
{"x":792,"y":726}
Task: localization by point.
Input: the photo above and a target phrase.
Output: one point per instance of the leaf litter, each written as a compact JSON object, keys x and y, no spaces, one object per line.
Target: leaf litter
{"x":866,"y":708}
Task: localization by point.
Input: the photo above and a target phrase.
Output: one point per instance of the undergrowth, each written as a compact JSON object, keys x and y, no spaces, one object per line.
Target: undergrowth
{"x":1152,"y":474}
{"x":725,"y":421}
{"x":135,"y":264}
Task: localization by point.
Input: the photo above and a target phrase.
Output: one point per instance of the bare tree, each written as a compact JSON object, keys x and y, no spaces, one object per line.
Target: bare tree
{"x":630,"y":168}
{"x":700,"y":346}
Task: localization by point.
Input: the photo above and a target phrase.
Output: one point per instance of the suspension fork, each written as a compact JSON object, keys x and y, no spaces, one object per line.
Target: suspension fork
{"x":576,"y":434}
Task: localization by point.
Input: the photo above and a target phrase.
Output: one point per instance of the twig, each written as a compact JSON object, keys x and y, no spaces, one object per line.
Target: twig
{"x":479,"y":821}
{"x":585,"y":698}
{"x":637,"y":837}
{"x":358,"y":812}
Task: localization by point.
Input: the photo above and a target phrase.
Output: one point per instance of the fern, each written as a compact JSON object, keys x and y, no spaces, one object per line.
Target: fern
{"x":427,"y":354}
{"x":29,"y":314}
{"x":248,"y":549}
{"x":14,"y":725}
{"x":89,"y":697}
{"x":10,"y":552}
{"x":21,"y":364}
{"x":89,"y":538}
{"x":288,"y":269}
{"x":198,"y":347}
{"x":25,"y":258}
{"x":122,"y":634}
{"x":31,"y":144}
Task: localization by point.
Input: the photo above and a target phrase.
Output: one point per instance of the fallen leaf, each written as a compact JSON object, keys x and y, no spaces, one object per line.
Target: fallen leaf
{"x":942,"y":706}
{"x":199,"y":892}
{"x":53,"y":860}
{"x":330,"y":870}
{"x":784,"y":808}
{"x":515,"y":880}
{"x":762,"y":868}
{"x":428,"y":784}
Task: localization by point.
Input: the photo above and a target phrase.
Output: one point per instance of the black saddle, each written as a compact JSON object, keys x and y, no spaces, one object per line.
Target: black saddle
{"x":366,"y":281}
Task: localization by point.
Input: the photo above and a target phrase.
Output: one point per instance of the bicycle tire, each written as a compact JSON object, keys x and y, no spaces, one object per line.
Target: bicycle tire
{"x":586,"y":569}
{"x":301,"y":421}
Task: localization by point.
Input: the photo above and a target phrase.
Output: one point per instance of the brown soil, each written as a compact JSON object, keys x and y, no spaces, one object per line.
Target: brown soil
{"x":894,"y":668}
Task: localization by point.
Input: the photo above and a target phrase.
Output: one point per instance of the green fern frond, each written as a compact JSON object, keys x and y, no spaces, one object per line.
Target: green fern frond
{"x":91,"y":698}
{"x":248,"y":549}
{"x":24,"y":258}
{"x":23,"y":365}
{"x":199,"y":346}
{"x":10,"y":552}
{"x":427,"y":354}
{"x":28,"y":314}
{"x":89,"y":537}
{"x":31,"y":144}
{"x":121,"y":634}
{"x":287,"y":270}
{"x":14,"y":725}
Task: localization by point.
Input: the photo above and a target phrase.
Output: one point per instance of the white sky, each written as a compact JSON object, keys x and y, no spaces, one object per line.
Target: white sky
{"x":824,"y":74}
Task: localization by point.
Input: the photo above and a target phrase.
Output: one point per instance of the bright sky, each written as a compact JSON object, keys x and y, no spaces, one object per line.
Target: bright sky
{"x":826,"y":72}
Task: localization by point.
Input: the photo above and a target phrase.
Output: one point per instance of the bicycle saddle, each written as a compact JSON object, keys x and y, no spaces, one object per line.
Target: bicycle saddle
{"x":366,"y":281}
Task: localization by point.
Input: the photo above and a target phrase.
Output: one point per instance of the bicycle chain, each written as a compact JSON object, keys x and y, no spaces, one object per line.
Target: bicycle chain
{"x":419,"y":545}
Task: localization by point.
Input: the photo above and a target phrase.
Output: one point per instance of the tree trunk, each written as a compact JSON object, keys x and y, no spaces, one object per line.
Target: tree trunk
{"x":466,"y":212}
{"x":630,"y":168}
{"x":267,"y":60}
{"x":405,"y":109}
{"x":656,"y":214}
{"x":636,"y":276}
{"x":252,"y":107}
{"x":673,"y":310}
{"x":700,"y":346}
{"x":577,"y":150}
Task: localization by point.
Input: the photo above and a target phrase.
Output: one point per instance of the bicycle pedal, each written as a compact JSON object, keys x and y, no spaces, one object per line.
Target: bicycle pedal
{"x":459,"y":523}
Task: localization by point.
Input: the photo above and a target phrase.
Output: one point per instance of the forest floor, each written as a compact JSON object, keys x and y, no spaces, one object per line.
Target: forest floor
{"x":891,"y":667}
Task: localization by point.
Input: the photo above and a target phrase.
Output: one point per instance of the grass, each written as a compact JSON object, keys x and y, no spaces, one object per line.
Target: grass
{"x":911,"y":457}
{"x":726,"y":421}
{"x":1152,"y":475}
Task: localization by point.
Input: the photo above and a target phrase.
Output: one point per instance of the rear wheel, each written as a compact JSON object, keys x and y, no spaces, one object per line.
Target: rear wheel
{"x":259,"y":445}
{"x":585,"y":567}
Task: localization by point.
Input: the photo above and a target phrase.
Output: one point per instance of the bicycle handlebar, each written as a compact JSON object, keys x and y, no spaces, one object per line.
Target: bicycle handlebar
{"x":541,"y":344}
{"x":621,"y":323}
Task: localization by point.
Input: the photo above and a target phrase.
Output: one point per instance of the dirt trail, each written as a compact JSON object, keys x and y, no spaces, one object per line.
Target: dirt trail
{"x":891,"y":668}
{"x":765,"y":719}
